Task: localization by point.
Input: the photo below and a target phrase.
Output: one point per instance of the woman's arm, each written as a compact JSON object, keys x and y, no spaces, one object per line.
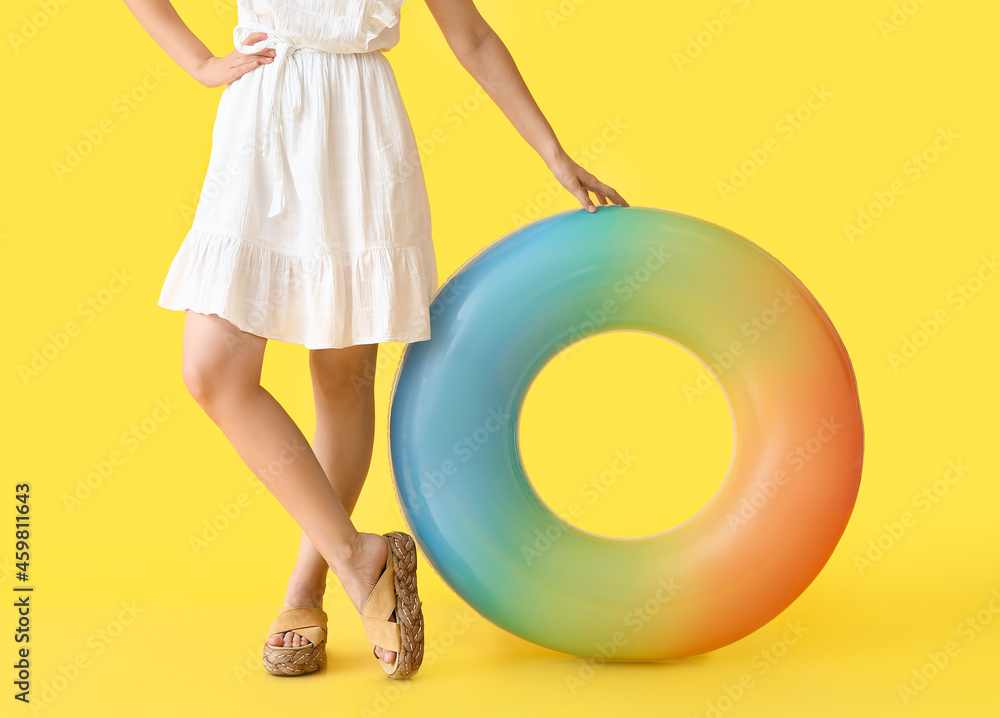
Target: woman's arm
{"x":484,"y":56}
{"x":165,"y":26}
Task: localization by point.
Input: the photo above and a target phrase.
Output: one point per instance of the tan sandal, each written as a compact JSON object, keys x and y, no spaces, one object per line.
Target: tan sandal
{"x":396,"y":590}
{"x":309,"y":623}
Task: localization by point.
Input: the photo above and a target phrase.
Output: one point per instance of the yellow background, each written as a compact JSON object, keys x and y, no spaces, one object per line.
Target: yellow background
{"x":191,"y":642}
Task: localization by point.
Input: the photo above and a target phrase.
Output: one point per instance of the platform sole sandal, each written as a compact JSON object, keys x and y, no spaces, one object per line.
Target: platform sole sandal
{"x":396,"y":590}
{"x":310,"y":623}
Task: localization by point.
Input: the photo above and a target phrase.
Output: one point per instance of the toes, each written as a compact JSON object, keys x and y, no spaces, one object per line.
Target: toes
{"x":385,"y":654}
{"x":390,"y":656}
{"x":280,"y":639}
{"x":289,"y":639}
{"x":295,"y":640}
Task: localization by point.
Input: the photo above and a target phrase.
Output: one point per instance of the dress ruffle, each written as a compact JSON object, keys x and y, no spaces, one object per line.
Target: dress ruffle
{"x":384,"y":14}
{"x":289,"y":298}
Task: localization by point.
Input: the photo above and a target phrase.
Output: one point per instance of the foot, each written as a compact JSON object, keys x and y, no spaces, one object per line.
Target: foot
{"x":300,"y":596}
{"x":361,"y":575}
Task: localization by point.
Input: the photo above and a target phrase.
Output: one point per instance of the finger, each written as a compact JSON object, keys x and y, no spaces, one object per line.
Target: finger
{"x":598,"y":189}
{"x":236,"y":55}
{"x":618,"y":199}
{"x":240,"y":70}
{"x":594,"y":186}
{"x":584,"y":198}
{"x":254,"y":37}
{"x":253,"y":60}
{"x":613,"y":194}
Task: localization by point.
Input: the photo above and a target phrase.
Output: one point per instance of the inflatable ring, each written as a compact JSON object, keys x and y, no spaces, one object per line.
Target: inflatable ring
{"x":722,"y":574}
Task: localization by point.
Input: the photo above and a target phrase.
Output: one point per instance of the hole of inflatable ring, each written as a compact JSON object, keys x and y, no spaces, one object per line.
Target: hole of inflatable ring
{"x":625,"y":434}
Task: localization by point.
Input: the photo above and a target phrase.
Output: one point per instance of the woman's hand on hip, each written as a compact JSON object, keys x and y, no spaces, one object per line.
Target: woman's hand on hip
{"x":218,"y":71}
{"x":578,"y":181}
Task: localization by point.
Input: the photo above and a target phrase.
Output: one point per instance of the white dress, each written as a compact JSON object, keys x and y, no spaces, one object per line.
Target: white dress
{"x":313,"y":225}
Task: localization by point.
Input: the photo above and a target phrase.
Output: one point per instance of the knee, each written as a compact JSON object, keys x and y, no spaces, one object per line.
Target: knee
{"x":205,"y":382}
{"x":340,"y":386}
{"x":342,"y":382}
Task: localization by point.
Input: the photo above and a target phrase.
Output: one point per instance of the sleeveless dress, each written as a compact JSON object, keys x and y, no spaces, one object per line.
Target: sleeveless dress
{"x":313,"y":225}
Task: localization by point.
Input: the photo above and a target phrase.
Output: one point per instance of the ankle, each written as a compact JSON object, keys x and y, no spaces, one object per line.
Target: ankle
{"x":350,"y":555}
{"x":305,"y":593}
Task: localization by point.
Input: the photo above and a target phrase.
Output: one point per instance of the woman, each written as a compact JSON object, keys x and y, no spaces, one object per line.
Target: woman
{"x":320,"y":235}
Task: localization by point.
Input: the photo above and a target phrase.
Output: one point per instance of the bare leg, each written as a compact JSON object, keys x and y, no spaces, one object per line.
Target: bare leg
{"x":345,"y":432}
{"x":221,"y":367}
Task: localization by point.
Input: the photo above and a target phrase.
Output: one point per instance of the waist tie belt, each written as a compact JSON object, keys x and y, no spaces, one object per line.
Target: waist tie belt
{"x":273,"y":140}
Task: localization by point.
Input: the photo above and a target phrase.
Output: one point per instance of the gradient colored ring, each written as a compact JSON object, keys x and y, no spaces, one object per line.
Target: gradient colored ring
{"x":751,"y":550}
